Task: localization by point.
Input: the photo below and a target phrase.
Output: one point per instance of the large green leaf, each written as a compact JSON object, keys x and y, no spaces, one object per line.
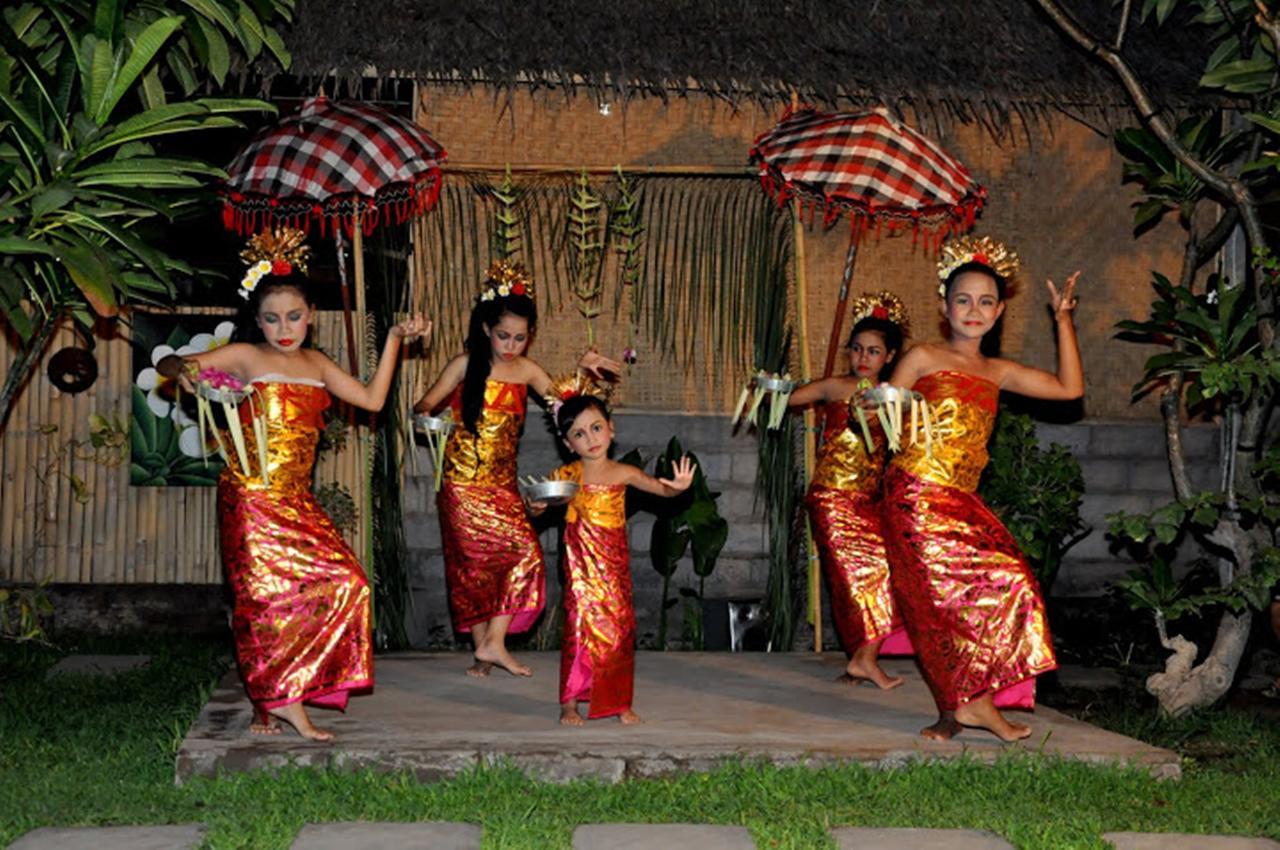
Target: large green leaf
{"x":1243,"y":76}
{"x":145,"y":48}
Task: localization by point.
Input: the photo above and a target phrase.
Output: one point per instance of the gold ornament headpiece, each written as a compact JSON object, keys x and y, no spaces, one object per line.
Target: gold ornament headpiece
{"x":281,"y":251}
{"x":566,"y":387}
{"x":881,"y":305}
{"x":504,"y":278}
{"x":984,"y":250}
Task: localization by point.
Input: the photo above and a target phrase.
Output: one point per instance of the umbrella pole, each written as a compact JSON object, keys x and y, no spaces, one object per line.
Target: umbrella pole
{"x":346,"y":299}
{"x":833,"y":345}
{"x":802,"y":321}
{"x":367,"y":433}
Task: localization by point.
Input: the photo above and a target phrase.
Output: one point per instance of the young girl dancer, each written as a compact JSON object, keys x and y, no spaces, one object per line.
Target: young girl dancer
{"x":844,"y":495}
{"x":301,"y":616}
{"x":493,"y":562}
{"x":972,"y":607}
{"x":598,"y":650}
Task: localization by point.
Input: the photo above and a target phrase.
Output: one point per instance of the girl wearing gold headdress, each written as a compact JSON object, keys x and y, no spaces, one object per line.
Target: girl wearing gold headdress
{"x":493,"y":562}
{"x":598,"y":649}
{"x":844,"y":495}
{"x":972,"y":607}
{"x":301,"y":618}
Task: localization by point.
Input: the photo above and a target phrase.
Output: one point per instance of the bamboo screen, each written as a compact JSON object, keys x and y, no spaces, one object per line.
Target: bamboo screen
{"x":119,"y":534}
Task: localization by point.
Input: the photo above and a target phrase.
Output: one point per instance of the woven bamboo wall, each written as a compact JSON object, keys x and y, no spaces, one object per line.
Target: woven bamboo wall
{"x":122,"y":534}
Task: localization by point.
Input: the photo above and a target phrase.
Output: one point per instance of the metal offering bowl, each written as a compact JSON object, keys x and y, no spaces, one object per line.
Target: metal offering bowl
{"x":777,"y":385}
{"x":881,"y":395}
{"x":220,"y":395}
{"x":551,"y":492}
{"x":432,"y":424}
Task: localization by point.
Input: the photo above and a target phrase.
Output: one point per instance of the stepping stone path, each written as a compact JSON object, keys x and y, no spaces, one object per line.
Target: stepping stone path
{"x":98,"y":665}
{"x":607,"y":836}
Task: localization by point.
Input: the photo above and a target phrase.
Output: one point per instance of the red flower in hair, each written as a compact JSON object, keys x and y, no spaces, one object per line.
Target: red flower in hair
{"x":880,"y":313}
{"x":281,"y":267}
{"x":517,"y":288}
{"x":981,"y":258}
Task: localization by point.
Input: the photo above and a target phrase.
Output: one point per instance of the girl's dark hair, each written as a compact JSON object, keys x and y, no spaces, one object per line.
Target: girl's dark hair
{"x":892,"y":334}
{"x":574,"y":407}
{"x":1001,"y":284}
{"x":247,"y":329}
{"x":480,"y":352}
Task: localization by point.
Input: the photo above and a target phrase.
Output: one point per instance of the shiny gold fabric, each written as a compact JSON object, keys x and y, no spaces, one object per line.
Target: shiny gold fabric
{"x":971,"y":604}
{"x":493,"y":561}
{"x":844,"y":515}
{"x":597,"y":652}
{"x":301,"y":617}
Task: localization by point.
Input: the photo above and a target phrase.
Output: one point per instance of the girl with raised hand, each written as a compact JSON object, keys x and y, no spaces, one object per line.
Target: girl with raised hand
{"x":493,"y":561}
{"x":301,"y":616}
{"x":972,"y":606}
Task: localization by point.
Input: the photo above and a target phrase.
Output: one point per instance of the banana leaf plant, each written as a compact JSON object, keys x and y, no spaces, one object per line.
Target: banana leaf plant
{"x":86,"y":186}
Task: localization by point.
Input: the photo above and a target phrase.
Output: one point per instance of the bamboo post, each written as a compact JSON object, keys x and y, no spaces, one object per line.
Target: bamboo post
{"x":364,"y":457}
{"x":833,"y":344}
{"x":802,"y":317}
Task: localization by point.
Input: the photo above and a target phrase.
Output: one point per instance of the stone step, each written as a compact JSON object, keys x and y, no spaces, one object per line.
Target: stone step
{"x":661,"y":836}
{"x":186,"y":836}
{"x":427,"y":835}
{"x":1186,"y":841}
{"x":859,"y":838}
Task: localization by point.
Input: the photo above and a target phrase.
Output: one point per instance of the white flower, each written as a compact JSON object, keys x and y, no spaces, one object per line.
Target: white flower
{"x":1212,"y":297}
{"x":487,"y":295}
{"x":202,"y":342}
{"x":189,"y":442}
{"x":504,"y":290}
{"x":155,"y":384}
{"x":262,"y":267}
{"x":942,"y":290}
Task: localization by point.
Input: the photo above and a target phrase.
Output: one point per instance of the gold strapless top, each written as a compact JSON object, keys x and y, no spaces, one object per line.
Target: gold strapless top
{"x":489,"y":455}
{"x":963,"y":410}
{"x":601,"y":505}
{"x":294,"y":417}
{"x":843,"y":461}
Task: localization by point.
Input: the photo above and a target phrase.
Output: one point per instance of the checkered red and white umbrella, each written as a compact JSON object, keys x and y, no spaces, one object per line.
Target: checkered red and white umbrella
{"x":871,"y":166}
{"x":329,"y":161}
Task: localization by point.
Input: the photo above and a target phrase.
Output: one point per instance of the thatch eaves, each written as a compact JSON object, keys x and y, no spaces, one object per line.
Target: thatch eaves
{"x":984,"y":59}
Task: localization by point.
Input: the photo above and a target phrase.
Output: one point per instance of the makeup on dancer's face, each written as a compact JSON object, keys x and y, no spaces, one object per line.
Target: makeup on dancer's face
{"x":284,"y":317}
{"x":590,"y":435}
{"x":868,"y":354}
{"x":509,"y":337}
{"x":973,"y":304}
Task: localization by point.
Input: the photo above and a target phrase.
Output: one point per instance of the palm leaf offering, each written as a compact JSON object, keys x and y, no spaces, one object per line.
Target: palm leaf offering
{"x":586,"y":243}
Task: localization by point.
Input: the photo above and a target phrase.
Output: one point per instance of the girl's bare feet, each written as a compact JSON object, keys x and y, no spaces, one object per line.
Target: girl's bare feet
{"x":629,"y":718}
{"x":270,"y":726}
{"x":863,"y":667}
{"x":498,"y":656}
{"x":569,"y":715}
{"x":296,"y":716}
{"x":944,"y":729}
{"x":983,"y":714}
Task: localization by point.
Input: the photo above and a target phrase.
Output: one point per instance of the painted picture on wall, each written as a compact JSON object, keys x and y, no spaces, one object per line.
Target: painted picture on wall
{"x":166,"y":447}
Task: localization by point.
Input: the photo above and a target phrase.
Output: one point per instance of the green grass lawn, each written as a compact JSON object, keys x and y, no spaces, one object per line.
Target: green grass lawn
{"x":99,"y":751}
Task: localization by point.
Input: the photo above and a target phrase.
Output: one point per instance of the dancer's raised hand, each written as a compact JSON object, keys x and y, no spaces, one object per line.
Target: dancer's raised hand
{"x":682,"y":477}
{"x":1066,"y":301}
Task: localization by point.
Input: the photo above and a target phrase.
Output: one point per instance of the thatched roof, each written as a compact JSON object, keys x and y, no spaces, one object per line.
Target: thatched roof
{"x":985,"y":59}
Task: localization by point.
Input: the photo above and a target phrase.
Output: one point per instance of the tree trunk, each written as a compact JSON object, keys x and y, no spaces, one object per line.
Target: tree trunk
{"x":25,"y":363}
{"x":1182,"y":688}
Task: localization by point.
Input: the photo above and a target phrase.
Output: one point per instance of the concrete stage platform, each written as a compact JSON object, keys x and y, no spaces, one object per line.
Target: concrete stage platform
{"x":699,"y":709}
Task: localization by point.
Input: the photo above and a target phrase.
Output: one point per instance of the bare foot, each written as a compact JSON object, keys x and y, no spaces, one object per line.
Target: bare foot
{"x":629,"y":718}
{"x":944,"y":730}
{"x":983,"y":714}
{"x":861,"y":670}
{"x":500,"y":657}
{"x":296,"y":716}
{"x":569,"y":715}
{"x":479,"y":669}
{"x":269,"y":727}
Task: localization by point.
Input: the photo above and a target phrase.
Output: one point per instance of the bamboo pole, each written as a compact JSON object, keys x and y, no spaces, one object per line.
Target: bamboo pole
{"x":806,"y":373}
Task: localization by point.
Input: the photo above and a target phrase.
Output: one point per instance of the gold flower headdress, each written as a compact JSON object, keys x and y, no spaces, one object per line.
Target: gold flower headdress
{"x":566,"y":387}
{"x":504,"y":278}
{"x":281,"y":251}
{"x":881,"y":305}
{"x":983,"y":249}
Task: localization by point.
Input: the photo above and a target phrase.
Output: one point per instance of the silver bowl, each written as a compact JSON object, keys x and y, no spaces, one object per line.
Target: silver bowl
{"x":220,"y":395}
{"x":881,"y":395}
{"x":777,"y":385}
{"x":428,"y":424}
{"x":550,"y":492}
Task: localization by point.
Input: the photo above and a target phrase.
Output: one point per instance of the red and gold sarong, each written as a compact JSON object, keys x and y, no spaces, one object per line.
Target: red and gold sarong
{"x":598,"y":650}
{"x":301,"y":616}
{"x":972,"y":605}
{"x":844,"y":515}
{"x":492,"y":558}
